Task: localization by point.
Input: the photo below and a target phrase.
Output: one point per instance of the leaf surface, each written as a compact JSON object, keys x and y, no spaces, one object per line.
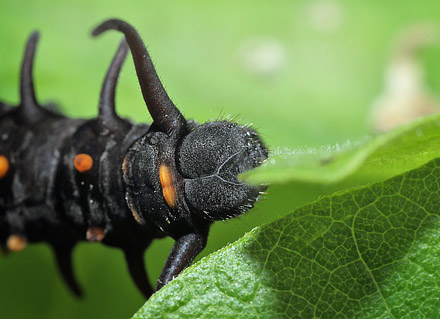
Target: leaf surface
{"x":370,"y":252}
{"x":392,"y":153}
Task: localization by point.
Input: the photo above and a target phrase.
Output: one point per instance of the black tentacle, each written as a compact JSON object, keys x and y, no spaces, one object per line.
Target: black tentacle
{"x":63,"y":256}
{"x":29,"y":109}
{"x":108,"y":117}
{"x":166,"y":116}
{"x":136,"y":266}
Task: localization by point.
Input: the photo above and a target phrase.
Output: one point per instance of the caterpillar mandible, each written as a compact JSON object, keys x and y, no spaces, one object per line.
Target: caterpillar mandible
{"x":108,"y":180}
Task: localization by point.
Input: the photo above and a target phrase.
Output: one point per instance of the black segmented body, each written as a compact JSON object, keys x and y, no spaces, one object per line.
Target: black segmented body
{"x":173,"y":178}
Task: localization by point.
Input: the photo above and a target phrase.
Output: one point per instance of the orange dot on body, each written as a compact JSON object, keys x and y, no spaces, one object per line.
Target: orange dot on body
{"x":83,"y":162}
{"x":4,"y":166}
{"x":16,"y":243}
{"x":95,"y":234}
{"x":166,"y":181}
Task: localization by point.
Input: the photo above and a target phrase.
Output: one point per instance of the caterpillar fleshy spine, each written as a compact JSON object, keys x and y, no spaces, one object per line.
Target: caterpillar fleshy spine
{"x":108,"y":180}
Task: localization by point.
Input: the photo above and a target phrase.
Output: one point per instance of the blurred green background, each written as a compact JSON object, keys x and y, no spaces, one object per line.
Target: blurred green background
{"x":305,"y":73}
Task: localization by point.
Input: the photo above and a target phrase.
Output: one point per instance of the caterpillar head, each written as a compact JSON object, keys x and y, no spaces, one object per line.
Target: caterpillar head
{"x":180,"y":172}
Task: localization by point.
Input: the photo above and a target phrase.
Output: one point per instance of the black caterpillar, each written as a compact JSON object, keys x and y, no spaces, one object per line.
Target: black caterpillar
{"x":107,"y":180}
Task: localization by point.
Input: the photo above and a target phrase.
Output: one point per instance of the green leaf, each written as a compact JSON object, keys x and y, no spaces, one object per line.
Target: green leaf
{"x":370,"y":252}
{"x":387,"y":155}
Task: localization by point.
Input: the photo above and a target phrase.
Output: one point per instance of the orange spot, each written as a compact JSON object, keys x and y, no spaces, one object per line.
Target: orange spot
{"x":4,"y":166}
{"x":83,"y":162}
{"x":166,"y":181}
{"x":95,"y":234}
{"x":16,"y":243}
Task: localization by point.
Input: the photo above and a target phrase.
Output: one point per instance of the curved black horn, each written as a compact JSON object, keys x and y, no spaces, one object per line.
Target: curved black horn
{"x":166,"y":116}
{"x":30,"y":110}
{"x":107,"y":110}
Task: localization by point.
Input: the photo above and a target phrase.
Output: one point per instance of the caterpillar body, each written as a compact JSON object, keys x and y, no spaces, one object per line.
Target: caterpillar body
{"x":108,"y":180}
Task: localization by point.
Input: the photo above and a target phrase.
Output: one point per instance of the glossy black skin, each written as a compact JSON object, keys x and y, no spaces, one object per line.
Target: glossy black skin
{"x":44,"y":198}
